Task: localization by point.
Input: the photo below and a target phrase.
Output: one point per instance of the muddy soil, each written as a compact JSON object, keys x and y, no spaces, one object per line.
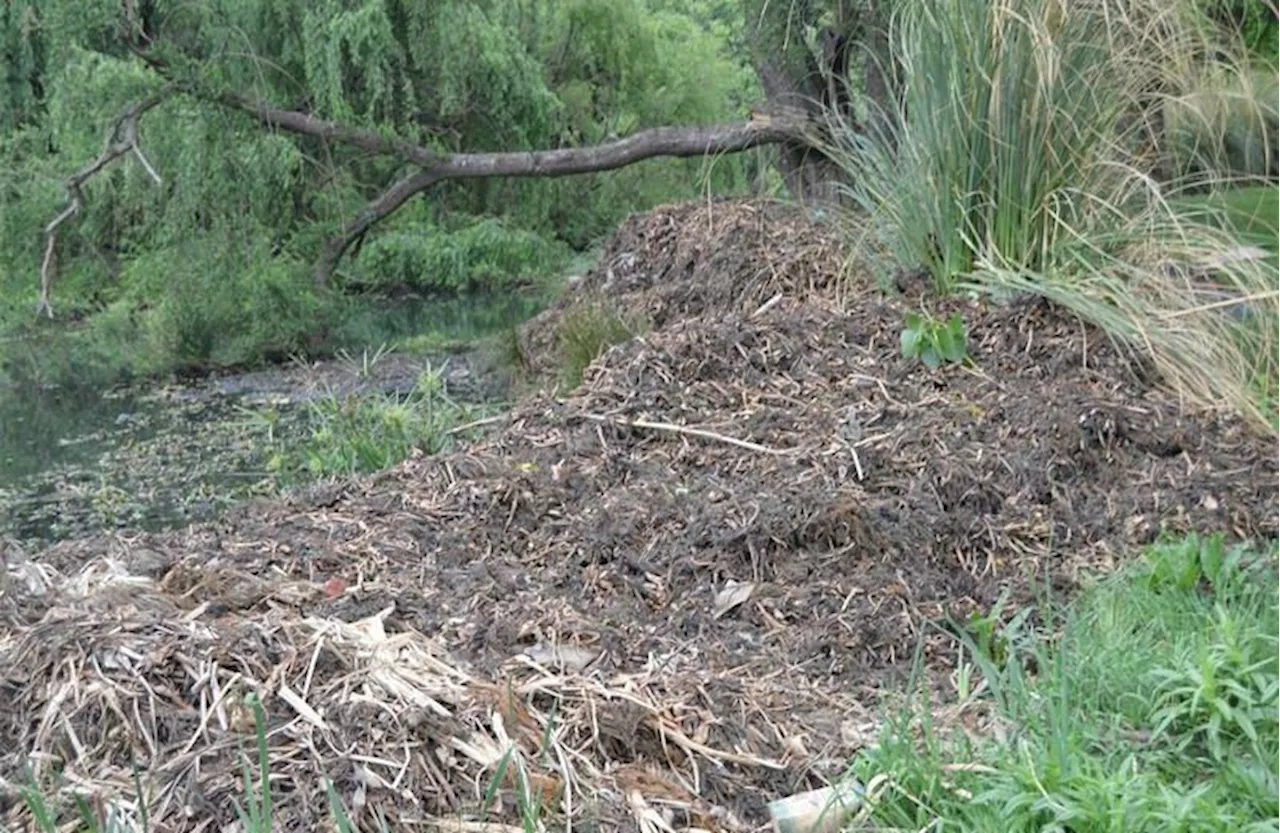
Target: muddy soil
{"x":678,"y":590}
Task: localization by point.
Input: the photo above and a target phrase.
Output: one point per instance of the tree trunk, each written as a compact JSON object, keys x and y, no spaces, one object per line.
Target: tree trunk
{"x":791,"y":79}
{"x":814,"y":78}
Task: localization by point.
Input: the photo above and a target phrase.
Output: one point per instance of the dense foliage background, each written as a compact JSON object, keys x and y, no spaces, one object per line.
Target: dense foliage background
{"x":210,"y":267}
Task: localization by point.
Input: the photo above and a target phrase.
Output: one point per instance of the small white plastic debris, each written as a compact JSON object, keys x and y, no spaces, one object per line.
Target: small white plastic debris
{"x":817,"y":811}
{"x":571,"y":658}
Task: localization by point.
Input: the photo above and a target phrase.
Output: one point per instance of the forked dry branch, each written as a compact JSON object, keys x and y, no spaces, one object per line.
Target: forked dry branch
{"x":121,"y":140}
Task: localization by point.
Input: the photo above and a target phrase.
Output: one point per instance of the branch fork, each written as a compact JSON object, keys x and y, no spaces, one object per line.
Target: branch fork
{"x":122,"y":140}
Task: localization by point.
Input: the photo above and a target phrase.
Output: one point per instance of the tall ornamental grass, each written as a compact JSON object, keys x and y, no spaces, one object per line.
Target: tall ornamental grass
{"x":1041,"y":146}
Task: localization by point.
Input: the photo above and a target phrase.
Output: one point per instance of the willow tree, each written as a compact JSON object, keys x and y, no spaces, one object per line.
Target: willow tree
{"x":295,"y":127}
{"x":826,"y":60}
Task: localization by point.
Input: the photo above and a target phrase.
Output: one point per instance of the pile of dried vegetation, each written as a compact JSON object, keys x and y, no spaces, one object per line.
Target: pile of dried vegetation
{"x":674,"y":593}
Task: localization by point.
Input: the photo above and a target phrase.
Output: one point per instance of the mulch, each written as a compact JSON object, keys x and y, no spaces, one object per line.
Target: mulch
{"x":665,"y":598}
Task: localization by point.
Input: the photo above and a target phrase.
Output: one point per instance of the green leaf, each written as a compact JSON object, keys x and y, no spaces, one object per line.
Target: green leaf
{"x":1246,"y":725}
{"x":910,"y":343}
{"x":1190,"y":574}
{"x":944,"y":343}
{"x":951,"y":339}
{"x":1211,"y":557}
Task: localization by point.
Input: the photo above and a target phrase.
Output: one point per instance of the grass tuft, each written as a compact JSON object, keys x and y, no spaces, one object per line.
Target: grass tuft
{"x":1150,"y":704}
{"x":1035,"y":148}
{"x":363,"y":432}
{"x":586,"y":332}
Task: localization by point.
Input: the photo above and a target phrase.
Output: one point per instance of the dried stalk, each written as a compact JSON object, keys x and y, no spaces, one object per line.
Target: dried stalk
{"x":686,"y":430}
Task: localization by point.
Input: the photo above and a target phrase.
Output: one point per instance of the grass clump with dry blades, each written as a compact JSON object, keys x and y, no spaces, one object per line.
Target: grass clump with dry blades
{"x":587,"y":332}
{"x":1117,"y":158}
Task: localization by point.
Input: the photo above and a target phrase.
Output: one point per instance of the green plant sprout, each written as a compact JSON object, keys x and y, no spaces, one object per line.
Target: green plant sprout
{"x":934,"y":342}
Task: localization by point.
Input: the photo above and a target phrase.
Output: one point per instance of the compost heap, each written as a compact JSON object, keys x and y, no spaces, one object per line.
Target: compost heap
{"x":668,"y":597}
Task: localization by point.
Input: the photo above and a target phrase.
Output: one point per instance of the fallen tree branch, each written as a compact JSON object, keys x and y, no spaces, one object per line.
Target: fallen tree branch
{"x":761,"y":129}
{"x":121,"y":139}
{"x":385,"y":205}
{"x":430,"y":167}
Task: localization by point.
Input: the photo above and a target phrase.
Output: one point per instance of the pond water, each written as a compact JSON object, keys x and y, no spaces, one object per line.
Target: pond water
{"x":76,"y":461}
{"x":463,"y":319}
{"x":72,"y":462}
{"x":43,"y":429}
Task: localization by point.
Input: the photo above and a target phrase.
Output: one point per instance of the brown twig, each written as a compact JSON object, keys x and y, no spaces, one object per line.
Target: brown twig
{"x":477,"y":423}
{"x":121,"y":139}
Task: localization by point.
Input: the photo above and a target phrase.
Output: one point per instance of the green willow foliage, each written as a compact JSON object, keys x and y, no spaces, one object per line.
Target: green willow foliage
{"x":238,"y":201}
{"x":1253,"y":20}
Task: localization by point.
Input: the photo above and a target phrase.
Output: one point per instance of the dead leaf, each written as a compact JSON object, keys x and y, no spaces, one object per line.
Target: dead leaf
{"x":571,"y":658}
{"x":733,"y":594}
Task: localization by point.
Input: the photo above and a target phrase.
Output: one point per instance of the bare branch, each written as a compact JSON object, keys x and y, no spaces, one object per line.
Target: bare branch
{"x":305,"y":124}
{"x":137,"y":151}
{"x":121,"y":139}
{"x":659,"y":141}
{"x":763,"y":128}
{"x":387,"y":203}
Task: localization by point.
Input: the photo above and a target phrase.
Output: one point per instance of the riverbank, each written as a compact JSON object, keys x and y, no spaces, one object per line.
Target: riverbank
{"x":150,"y":456}
{"x":677,"y":592}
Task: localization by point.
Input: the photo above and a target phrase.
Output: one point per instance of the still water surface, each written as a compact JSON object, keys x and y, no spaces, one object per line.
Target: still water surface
{"x":72,"y":461}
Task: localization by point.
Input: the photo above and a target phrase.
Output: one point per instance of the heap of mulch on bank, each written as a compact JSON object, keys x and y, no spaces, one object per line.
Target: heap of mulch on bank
{"x":674,"y":593}
{"x":689,"y":260}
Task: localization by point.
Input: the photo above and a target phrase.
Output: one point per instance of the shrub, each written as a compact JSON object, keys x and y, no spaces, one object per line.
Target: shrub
{"x":209,"y":301}
{"x":483,"y":254}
